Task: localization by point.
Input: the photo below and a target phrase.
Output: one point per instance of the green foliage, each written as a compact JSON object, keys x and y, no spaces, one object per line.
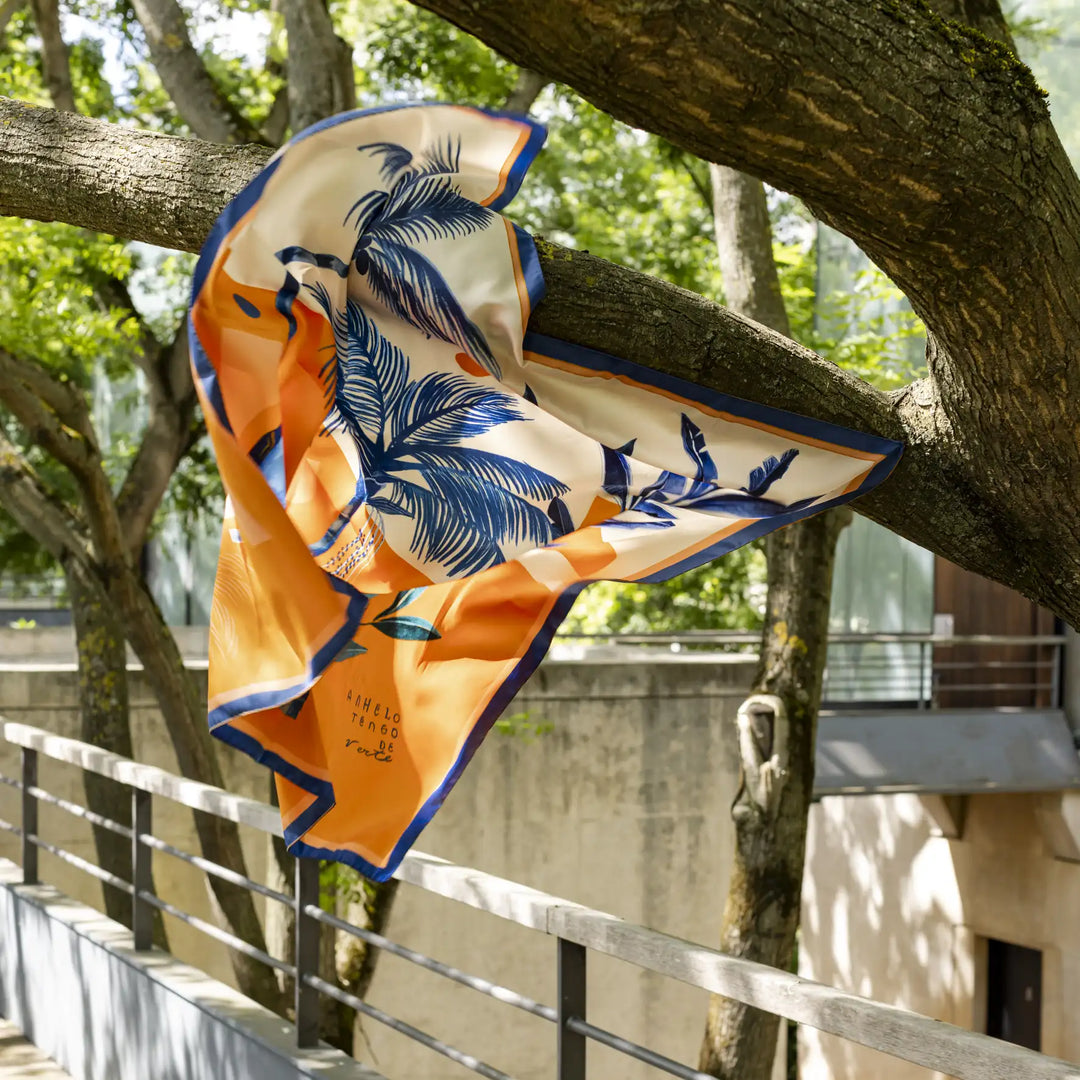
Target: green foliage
{"x":522,"y":725}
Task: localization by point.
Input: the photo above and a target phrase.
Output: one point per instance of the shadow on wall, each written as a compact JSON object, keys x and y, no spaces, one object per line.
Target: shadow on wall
{"x":881,"y":916}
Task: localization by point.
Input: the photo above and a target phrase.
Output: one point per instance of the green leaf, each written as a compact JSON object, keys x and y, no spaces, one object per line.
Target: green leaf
{"x":348,"y":651}
{"x":407,"y":628}
{"x":403,"y":599}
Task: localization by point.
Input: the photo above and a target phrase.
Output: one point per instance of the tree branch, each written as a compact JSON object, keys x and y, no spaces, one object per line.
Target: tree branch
{"x":928,"y":144}
{"x":198,"y":99}
{"x":68,"y":435}
{"x":164,"y":443}
{"x":54,"y":54}
{"x":526,"y":90}
{"x":943,"y":495}
{"x":45,"y":518}
{"x":8,"y":10}
{"x":320,"y":69}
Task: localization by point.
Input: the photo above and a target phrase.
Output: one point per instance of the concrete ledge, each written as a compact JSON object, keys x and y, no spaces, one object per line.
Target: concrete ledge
{"x":73,"y":984}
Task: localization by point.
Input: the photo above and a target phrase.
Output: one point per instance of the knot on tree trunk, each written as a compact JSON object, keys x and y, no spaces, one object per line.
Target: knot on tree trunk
{"x":762,"y":724}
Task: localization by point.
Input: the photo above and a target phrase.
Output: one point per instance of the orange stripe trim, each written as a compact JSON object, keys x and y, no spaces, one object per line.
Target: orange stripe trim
{"x":731,"y":418}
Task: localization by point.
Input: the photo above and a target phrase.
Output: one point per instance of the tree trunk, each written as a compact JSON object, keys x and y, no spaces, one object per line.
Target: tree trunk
{"x":777,"y":723}
{"x":184,"y":712}
{"x":105,"y":721}
{"x":343,"y":959}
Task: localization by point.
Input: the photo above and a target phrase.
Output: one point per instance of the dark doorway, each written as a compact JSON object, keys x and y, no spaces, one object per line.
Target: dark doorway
{"x":1014,"y":993}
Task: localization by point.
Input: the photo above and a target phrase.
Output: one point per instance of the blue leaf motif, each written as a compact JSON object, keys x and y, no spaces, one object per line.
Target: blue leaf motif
{"x":771,"y":469}
{"x":443,"y":408}
{"x":507,"y":472}
{"x":395,"y":158}
{"x":427,"y":209}
{"x":694,"y":441}
{"x":412,"y":289}
{"x":407,"y":628}
{"x":559,"y":516}
{"x":403,"y":599}
{"x":292,"y":708}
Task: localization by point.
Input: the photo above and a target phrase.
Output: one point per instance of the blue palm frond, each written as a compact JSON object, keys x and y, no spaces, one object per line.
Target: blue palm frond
{"x":515,"y":476}
{"x":771,"y":469}
{"x":440,"y":158}
{"x":396,"y":158}
{"x":427,"y":209}
{"x":372,"y":374}
{"x":442,"y":408}
{"x":411,"y":288}
{"x":559,"y":516}
{"x":694,"y":441}
{"x":616,"y":475}
{"x":746,"y":506}
{"x":366,"y":208}
{"x":460,"y":519}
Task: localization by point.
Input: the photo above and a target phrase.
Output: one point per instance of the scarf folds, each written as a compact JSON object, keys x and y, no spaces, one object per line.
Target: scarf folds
{"x":418,"y":486}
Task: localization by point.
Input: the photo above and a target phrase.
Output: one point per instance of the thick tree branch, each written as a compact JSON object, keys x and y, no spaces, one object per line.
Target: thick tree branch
{"x":54,"y":54}
{"x":198,"y":99}
{"x":164,"y":442}
{"x":321,"y":80}
{"x":526,"y":90}
{"x":46,"y":519}
{"x":69,"y":437}
{"x":169,"y":191}
{"x":8,"y":10}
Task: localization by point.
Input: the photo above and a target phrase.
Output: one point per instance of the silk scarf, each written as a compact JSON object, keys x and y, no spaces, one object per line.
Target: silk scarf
{"x":417,"y":485}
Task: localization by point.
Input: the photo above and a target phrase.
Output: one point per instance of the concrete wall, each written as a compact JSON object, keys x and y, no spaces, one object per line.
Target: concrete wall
{"x":623,"y":806}
{"x":70,"y":980}
{"x":897,"y":913}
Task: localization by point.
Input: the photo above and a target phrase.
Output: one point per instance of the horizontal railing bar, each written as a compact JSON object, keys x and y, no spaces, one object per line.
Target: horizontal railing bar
{"x":474,"y":982}
{"x":468,"y":1061}
{"x":217,"y":933}
{"x":958,"y":1053}
{"x":81,"y":812}
{"x":634,"y":1050}
{"x":10,"y":781}
{"x":738,"y":637}
{"x":157,"y":781}
{"x":7,"y":826}
{"x":216,"y":869}
{"x":932,"y":1044}
{"x":82,"y":864}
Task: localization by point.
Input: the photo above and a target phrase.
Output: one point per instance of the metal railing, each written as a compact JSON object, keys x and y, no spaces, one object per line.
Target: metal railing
{"x":922,"y":671}
{"x":577,"y":930}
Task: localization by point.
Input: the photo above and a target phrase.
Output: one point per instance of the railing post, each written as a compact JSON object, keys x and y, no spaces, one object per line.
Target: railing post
{"x":142,"y":914}
{"x":307,"y":952}
{"x":571,"y":991}
{"x":29,"y":816}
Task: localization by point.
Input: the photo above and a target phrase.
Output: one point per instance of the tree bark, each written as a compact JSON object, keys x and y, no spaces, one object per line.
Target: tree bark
{"x":321,"y":80}
{"x":54,"y":54}
{"x":526,"y":90}
{"x":198,"y":99}
{"x":168,"y":191}
{"x":777,"y":729}
{"x":105,"y":721}
{"x":777,"y":723}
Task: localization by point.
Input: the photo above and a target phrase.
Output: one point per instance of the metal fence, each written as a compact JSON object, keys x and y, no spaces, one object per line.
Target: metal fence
{"x":922,"y":671}
{"x":576,"y":931}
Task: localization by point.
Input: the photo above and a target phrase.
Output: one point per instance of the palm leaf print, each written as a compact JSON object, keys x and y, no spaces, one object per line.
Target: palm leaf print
{"x":463,"y":501}
{"x":409,"y":286}
{"x":763,"y":478}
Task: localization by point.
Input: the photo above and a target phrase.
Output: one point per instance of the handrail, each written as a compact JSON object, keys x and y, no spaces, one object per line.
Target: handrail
{"x":743,"y":637}
{"x":919,"y":1039}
